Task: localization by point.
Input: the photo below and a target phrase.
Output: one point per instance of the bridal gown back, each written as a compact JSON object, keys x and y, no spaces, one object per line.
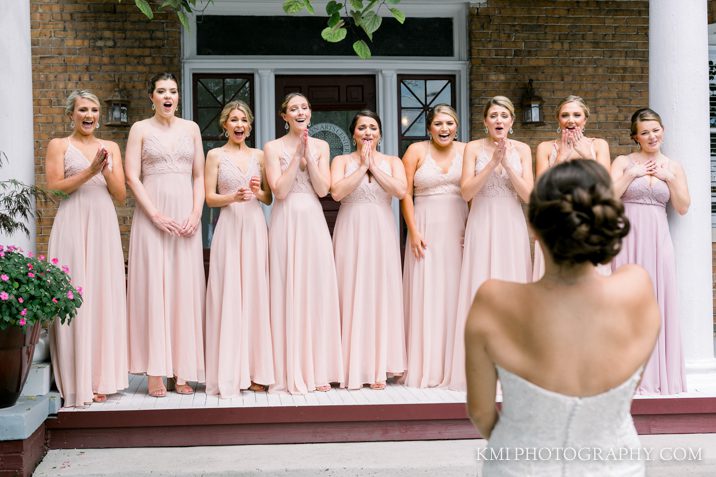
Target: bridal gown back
{"x":567,"y":433}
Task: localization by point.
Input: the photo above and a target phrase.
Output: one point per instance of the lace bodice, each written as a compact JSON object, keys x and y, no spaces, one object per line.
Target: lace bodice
{"x":498,"y":184}
{"x":553,"y":155}
{"x":156,"y":159}
{"x":647,"y":190}
{"x":76,"y":162}
{"x":533,"y":417}
{"x":368,"y":190}
{"x":302,"y":183}
{"x":230,"y":177}
{"x":429,"y":179}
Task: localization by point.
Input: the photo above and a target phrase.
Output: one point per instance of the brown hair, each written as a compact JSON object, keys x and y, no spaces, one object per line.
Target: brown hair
{"x":442,"y":109}
{"x":366,"y":113}
{"x":573,"y":211}
{"x":641,"y":115}
{"x":289,"y":97}
{"x":152,"y":84}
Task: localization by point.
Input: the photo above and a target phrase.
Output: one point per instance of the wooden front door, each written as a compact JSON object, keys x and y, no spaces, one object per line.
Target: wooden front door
{"x":334,"y":101}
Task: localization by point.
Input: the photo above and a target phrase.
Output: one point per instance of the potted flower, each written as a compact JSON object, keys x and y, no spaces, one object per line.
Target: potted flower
{"x":33,"y":292}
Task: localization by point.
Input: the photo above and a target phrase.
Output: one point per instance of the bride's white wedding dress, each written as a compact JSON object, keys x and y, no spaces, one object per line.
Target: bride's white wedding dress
{"x":544,"y":433}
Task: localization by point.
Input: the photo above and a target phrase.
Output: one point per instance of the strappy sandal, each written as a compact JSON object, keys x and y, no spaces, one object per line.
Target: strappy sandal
{"x":324,"y":388}
{"x":97,"y":397}
{"x":157,"y":391}
{"x":185,"y":388}
{"x":258,"y":388}
{"x":378,"y":386}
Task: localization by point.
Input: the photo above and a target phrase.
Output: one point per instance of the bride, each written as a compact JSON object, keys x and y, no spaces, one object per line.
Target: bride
{"x":569,"y":349}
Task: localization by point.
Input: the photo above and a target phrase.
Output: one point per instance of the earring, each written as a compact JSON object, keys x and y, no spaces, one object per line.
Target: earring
{"x":285,"y":126}
{"x":430,"y":136}
{"x":638,"y":147}
{"x":97,"y":126}
{"x":455,"y":136}
{"x":380,"y":142}
{"x":72,"y":124}
{"x":309,"y":124}
{"x":486,"y":130}
{"x":248,"y":135}
{"x":226,"y":133}
{"x":511,"y":131}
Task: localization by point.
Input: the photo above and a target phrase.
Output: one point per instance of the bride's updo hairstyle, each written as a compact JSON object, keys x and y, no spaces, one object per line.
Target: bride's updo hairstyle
{"x":573,"y":211}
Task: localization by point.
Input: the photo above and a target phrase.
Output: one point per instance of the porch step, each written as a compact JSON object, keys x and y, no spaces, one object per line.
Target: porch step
{"x":394,"y":459}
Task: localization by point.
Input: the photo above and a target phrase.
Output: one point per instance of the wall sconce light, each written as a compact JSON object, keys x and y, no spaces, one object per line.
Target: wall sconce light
{"x":532,"y":107}
{"x":117,"y":109}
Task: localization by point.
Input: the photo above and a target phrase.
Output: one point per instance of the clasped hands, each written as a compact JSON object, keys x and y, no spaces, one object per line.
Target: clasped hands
{"x":574,"y":140}
{"x":187,"y":228}
{"x":101,"y":161}
{"x":303,"y":150}
{"x":500,"y":154}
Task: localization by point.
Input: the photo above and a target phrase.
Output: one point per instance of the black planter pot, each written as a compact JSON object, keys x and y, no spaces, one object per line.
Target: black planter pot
{"x":16,"y":348}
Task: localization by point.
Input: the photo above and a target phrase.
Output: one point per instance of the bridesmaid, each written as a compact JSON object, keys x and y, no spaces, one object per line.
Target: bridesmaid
{"x":89,"y":356}
{"x":238,"y":331}
{"x":572,"y":116}
{"x":367,"y":252}
{"x":435,"y":215}
{"x":304,"y":294}
{"x":165,"y":282}
{"x":646,"y":181}
{"x":497,"y":179}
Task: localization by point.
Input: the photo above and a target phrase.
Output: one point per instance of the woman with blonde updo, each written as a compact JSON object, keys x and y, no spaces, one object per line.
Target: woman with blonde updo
{"x":435,"y":216}
{"x":496,"y":179}
{"x":238,"y":331}
{"x":646,"y":180}
{"x":89,"y":355}
{"x":572,"y":115}
{"x":568,"y":349}
{"x":305,"y":316}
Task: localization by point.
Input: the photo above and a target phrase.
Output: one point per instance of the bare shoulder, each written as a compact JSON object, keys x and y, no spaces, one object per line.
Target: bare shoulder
{"x":545,"y":147}
{"x":189,"y":125}
{"x":258,"y":154}
{"x":631,"y":284}
{"x":416,"y":150}
{"x":473,"y":147}
{"x":271,"y":146}
{"x":111,"y":146}
{"x":57,"y":144}
{"x":621,"y":160}
{"x":314,"y":141}
{"x":520,"y":146}
{"x":213,"y":154}
{"x":496,"y":298}
{"x":599,"y":142}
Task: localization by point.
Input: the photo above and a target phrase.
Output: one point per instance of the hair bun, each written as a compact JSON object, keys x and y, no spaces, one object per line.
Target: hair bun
{"x":575,"y":214}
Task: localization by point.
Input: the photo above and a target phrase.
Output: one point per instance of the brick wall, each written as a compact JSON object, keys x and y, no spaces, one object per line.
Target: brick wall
{"x":594,"y":49}
{"x":93,"y":44}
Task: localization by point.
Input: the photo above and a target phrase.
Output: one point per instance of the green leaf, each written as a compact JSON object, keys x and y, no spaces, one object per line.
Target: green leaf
{"x":334,"y":20}
{"x":397,"y":14}
{"x":144,"y":7}
{"x":183,"y":20}
{"x":293,"y":6}
{"x":392,"y":2}
{"x":357,"y":17}
{"x":361,"y":49}
{"x":333,"y":7}
{"x":369,"y":6}
{"x":334,"y":35}
{"x":309,"y":7}
{"x":357,"y":4}
{"x":370,"y":23}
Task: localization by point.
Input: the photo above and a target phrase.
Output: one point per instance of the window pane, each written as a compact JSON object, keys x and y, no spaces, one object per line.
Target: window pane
{"x":416,"y":122}
{"x":210,"y":92}
{"x":208,"y":121}
{"x":438,"y":92}
{"x":412,"y":93}
{"x":236,"y":88}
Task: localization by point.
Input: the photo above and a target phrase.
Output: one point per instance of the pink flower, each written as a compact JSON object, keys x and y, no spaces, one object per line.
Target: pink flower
{"x":65,"y":269}
{"x":79,"y":290}
{"x":70,"y":295}
{"x":2,"y":247}
{"x":55,"y":261}
{"x":20,"y":300}
{"x":2,"y":254}
{"x":23,"y":312}
{"x":11,"y":248}
{"x":41,"y":257}
{"x":29,"y":266}
{"x":29,"y":254}
{"x":54,"y":300}
{"x":4,"y":277}
{"x":31,"y":275}
{"x":22,"y":321}
{"x":4,"y":296}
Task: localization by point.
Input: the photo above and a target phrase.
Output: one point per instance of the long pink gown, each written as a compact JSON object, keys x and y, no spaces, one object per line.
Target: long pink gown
{"x":305,"y":320}
{"x":165,"y":283}
{"x":367,"y":254}
{"x":496,"y":246}
{"x":538,"y":264}
{"x":431,"y":284}
{"x":90,"y":354}
{"x":238,"y":328}
{"x":649,"y":244}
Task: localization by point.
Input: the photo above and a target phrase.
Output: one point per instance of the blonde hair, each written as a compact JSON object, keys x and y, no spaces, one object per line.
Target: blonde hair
{"x":573,"y":99}
{"x":79,"y":93}
{"x":442,"y":109}
{"x":502,"y":101}
{"x":231,"y":106}
{"x":289,"y":97}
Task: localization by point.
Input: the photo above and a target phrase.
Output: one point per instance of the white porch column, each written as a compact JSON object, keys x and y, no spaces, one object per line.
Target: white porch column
{"x":16,"y":138}
{"x":387,"y":108}
{"x":678,"y":91}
